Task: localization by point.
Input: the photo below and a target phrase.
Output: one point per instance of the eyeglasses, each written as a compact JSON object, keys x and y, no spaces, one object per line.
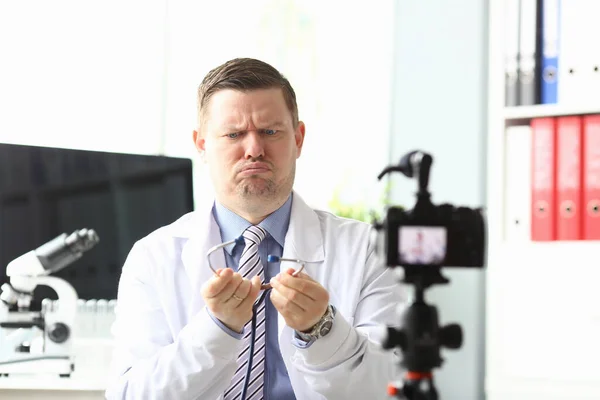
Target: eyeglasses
{"x":270,"y":258}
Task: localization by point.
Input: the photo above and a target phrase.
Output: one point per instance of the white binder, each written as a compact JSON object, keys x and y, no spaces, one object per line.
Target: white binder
{"x":575,"y":39}
{"x":517,"y":180}
{"x":591,"y":51}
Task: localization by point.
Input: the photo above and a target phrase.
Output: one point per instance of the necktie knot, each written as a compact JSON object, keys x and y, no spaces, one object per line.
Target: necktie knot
{"x":254,"y":234}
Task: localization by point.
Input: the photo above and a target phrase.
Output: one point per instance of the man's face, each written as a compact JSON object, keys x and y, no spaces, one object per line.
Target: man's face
{"x":251,"y":146}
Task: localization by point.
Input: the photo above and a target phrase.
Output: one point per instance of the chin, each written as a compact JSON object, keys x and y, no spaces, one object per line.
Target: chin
{"x":258,"y":189}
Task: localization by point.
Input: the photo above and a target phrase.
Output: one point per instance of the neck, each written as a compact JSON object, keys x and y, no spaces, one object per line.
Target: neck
{"x":253,"y":218}
{"x":254,"y":211}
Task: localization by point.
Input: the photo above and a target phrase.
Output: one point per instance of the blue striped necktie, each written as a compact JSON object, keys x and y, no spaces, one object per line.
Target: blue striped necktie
{"x":250,"y":266}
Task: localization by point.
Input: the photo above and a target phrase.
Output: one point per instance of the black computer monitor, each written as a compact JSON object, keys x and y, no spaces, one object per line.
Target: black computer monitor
{"x":45,"y":192}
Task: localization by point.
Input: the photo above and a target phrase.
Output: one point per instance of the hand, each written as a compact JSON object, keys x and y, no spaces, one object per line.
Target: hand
{"x":230,"y":298}
{"x":299,"y":299}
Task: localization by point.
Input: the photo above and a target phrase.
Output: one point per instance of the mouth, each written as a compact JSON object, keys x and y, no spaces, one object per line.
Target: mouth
{"x":255,"y":169}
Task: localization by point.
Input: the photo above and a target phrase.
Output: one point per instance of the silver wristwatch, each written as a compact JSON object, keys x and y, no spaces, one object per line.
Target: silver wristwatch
{"x":321,"y":328}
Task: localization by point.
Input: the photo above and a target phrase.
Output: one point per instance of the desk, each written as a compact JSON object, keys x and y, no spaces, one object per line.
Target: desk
{"x":88,"y":381}
{"x":50,"y":388}
{"x":49,"y":395}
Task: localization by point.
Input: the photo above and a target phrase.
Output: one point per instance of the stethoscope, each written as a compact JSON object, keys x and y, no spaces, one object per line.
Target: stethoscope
{"x":265,"y":288}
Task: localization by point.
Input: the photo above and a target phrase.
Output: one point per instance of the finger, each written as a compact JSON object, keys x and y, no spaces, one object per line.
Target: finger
{"x":217,"y":283}
{"x":302,"y":275}
{"x":300,"y":299}
{"x":286,"y":307}
{"x":241,"y":292}
{"x":310,"y":288}
{"x":295,"y":273}
{"x":253,"y":294}
{"x":230,"y":288}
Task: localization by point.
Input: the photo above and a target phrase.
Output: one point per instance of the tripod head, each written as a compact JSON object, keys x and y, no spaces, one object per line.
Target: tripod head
{"x":421,"y":241}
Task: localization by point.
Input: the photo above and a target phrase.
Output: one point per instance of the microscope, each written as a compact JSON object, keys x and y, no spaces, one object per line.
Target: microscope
{"x":41,"y":342}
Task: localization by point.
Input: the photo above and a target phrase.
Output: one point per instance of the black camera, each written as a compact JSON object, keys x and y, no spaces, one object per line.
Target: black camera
{"x":422,"y":241}
{"x":431,"y":235}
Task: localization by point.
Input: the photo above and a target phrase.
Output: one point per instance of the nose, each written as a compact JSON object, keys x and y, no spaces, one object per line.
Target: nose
{"x":254,"y":147}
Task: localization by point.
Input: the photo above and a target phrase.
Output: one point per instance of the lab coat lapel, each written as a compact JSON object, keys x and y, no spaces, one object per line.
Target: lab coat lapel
{"x":204,"y":233}
{"x":303,"y":241}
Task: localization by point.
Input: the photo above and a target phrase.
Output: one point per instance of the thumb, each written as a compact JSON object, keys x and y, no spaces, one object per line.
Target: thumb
{"x":255,"y":289}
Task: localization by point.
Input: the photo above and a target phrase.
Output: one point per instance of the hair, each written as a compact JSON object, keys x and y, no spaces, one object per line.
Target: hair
{"x":244,"y":74}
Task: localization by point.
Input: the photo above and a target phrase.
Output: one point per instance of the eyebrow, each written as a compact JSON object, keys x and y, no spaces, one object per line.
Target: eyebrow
{"x":274,"y":124}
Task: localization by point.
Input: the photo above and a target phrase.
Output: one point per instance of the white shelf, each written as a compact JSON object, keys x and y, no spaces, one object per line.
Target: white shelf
{"x":544,"y":301}
{"x":576,"y":248}
{"x":548,"y":110}
{"x":542,"y":314}
{"x":557,"y":256}
{"x":566,"y":264}
{"x":514,"y":389}
{"x":566,"y":258}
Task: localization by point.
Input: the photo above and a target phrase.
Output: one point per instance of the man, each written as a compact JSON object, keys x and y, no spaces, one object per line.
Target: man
{"x":182,"y":331}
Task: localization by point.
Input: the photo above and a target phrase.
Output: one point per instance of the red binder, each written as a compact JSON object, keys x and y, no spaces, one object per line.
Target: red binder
{"x":568,"y":177}
{"x":543,"y":178}
{"x":591,"y":177}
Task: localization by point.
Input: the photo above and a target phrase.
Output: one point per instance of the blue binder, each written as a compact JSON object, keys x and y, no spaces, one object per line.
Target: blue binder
{"x":550,"y":51}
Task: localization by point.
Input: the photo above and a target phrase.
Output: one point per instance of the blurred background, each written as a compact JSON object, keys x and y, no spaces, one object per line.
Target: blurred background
{"x":374,"y":80}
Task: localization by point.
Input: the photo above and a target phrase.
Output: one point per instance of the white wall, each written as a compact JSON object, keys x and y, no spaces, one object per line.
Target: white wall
{"x":341,"y":76}
{"x":121,"y":75}
{"x":82,"y":74}
{"x":439,"y":106}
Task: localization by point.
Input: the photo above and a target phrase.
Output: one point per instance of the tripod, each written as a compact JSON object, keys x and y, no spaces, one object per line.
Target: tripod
{"x":420,"y":338}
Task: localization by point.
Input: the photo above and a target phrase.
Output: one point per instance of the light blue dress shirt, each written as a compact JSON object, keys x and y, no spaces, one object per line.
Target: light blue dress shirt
{"x":277,"y":382}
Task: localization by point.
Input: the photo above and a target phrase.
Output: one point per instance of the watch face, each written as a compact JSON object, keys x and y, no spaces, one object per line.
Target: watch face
{"x":325,"y":328}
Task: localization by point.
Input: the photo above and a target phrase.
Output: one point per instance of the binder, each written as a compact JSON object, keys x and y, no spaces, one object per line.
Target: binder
{"x":511,"y":52}
{"x":550,"y":51}
{"x":573,"y":22}
{"x":529,"y":52}
{"x":569,"y":152}
{"x":543,"y":178}
{"x":591,"y":177}
{"x":517,"y":183}
{"x":592,"y":55}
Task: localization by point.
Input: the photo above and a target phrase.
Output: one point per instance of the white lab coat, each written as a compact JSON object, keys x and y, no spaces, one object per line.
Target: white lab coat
{"x":167,"y":346}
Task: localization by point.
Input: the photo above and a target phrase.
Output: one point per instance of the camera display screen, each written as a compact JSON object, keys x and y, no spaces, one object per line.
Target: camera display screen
{"x":422,"y":245}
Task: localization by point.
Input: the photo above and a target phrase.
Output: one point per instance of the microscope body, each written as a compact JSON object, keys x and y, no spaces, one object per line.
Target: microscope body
{"x":41,"y":342}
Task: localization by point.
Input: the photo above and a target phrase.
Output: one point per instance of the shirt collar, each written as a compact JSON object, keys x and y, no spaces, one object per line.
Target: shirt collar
{"x":232,"y":225}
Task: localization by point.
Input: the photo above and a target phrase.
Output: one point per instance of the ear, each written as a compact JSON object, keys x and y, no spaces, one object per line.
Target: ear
{"x":200,"y":143}
{"x":299,"y":136}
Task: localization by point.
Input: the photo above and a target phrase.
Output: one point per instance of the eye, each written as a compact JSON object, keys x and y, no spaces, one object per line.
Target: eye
{"x":233,"y":135}
{"x":270,"y":132}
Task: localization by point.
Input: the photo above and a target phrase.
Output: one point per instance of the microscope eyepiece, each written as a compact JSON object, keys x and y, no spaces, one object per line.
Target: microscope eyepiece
{"x":82,"y":240}
{"x":64,"y":250}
